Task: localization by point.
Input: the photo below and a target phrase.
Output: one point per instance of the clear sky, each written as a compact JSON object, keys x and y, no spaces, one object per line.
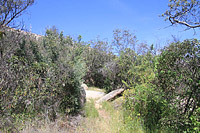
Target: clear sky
{"x":93,"y":18}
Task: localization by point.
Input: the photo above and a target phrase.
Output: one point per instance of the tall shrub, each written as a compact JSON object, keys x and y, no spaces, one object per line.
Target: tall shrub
{"x":178,"y":75}
{"x":39,"y":77}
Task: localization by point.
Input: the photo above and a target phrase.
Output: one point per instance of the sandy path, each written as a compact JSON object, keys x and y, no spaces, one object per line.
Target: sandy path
{"x":101,"y":124}
{"x":94,"y":94}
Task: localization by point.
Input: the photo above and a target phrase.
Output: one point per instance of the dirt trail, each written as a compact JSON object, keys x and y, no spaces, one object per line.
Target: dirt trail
{"x":105,"y":118}
{"x":94,"y":94}
{"x":97,"y":95}
{"x":101,"y":123}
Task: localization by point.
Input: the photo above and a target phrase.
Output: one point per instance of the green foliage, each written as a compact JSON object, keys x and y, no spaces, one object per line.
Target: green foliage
{"x":115,"y":71}
{"x":145,"y":105}
{"x":40,"y":78}
{"x":126,"y":60}
{"x":69,"y":69}
{"x":168,"y":99}
{"x":142,"y":103}
{"x":96,"y":56}
{"x":195,"y":124}
{"x":178,"y":77}
{"x":123,"y":40}
{"x":137,"y":69}
{"x":106,"y":70}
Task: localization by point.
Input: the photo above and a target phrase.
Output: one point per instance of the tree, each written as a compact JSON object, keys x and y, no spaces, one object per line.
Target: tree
{"x":12,"y":9}
{"x":123,"y":39}
{"x":184,"y":12}
{"x":96,"y":55}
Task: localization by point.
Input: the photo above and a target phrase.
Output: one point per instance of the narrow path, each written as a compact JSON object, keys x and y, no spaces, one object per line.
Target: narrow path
{"x":94,"y":94}
{"x":102,"y":122}
{"x":108,"y":120}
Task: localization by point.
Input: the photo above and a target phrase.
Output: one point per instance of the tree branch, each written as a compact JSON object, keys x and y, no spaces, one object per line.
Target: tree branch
{"x":12,"y":10}
{"x":16,"y":14}
{"x":173,"y":21}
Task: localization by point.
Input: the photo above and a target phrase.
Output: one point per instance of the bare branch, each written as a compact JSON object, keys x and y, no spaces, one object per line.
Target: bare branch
{"x":12,"y":9}
{"x":184,"y":12}
{"x":173,"y":21}
{"x":16,"y":15}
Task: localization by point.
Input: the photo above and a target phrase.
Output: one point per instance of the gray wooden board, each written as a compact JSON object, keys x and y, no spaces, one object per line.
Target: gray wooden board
{"x":110,"y":95}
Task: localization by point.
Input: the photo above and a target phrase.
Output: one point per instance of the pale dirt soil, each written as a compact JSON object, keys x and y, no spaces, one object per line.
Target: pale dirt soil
{"x":102,"y":122}
{"x":94,"y":94}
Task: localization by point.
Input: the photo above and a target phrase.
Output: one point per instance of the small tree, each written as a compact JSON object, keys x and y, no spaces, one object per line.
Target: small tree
{"x":96,"y":56}
{"x":123,"y":39}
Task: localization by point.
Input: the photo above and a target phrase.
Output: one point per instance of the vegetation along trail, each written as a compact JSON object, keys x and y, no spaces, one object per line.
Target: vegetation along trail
{"x":105,"y":117}
{"x":42,"y":77}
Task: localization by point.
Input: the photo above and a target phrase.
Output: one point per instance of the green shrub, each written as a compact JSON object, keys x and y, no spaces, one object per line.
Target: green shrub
{"x":145,"y":104}
{"x":96,"y":56}
{"x":40,"y":78}
{"x":178,"y":74}
{"x":169,"y":101}
{"x":195,"y":124}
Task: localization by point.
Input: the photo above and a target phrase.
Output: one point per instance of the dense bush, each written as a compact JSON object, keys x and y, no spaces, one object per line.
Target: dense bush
{"x":108,"y":64}
{"x":141,"y":100}
{"x":178,"y":75}
{"x":143,"y":103}
{"x":97,"y":55}
{"x":39,"y":77}
{"x":166,"y":97}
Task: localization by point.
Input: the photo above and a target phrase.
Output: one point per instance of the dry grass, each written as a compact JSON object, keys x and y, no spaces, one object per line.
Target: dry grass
{"x":61,"y":125}
{"x":107,"y":119}
{"x":110,"y":120}
{"x":96,"y":125}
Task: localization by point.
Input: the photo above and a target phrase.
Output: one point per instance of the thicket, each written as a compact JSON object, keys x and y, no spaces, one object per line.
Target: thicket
{"x":108,"y":63}
{"x":166,"y":96}
{"x":39,"y":77}
{"x":97,"y":56}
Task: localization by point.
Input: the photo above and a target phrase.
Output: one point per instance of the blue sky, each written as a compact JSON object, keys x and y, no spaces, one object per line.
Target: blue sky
{"x":98,"y":18}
